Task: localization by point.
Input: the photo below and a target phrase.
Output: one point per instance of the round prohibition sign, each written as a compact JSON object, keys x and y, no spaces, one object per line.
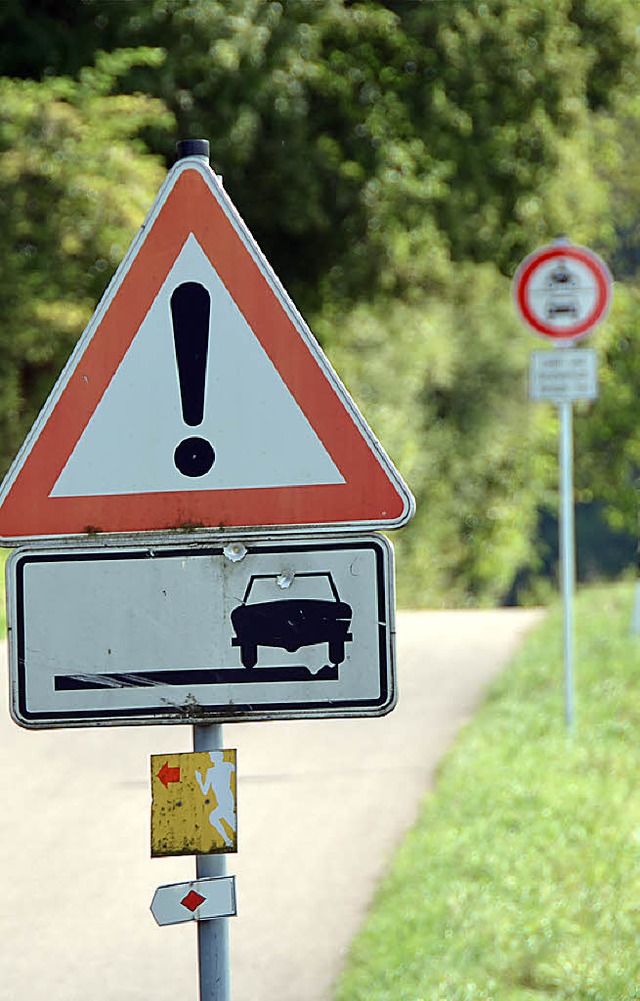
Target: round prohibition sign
{"x":562,"y":291}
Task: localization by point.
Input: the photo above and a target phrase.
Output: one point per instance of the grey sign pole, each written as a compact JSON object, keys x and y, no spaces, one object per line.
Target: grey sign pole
{"x":567,"y":553}
{"x":213,"y":935}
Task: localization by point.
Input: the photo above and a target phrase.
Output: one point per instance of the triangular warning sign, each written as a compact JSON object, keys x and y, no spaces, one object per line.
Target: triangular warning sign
{"x":197,"y":397}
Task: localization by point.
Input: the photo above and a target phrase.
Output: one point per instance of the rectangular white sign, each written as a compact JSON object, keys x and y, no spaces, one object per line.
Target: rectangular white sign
{"x":245,"y":630}
{"x":563,"y":375}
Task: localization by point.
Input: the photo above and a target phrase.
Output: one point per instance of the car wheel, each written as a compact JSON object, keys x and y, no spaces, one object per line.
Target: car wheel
{"x":249,"y":655}
{"x":336,"y":652}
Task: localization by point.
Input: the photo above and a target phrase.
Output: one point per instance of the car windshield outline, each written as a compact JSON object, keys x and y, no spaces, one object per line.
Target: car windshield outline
{"x":251,"y":594}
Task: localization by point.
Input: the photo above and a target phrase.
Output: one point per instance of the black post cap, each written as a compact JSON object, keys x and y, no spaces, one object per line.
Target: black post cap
{"x":192,"y":147}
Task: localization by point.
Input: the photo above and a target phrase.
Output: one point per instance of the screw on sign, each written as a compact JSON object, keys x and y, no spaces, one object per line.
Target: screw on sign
{"x":562,"y":291}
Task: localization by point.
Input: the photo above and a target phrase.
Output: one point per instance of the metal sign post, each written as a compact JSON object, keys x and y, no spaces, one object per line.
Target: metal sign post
{"x":562,"y":292}
{"x":567,"y":553}
{"x":213,"y":936}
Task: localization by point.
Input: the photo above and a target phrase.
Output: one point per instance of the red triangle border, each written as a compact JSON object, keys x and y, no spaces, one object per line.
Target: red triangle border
{"x":373,"y":494}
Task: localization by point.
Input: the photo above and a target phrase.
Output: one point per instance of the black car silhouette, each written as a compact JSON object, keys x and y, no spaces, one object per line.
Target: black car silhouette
{"x":293,"y":622}
{"x":563,"y":296}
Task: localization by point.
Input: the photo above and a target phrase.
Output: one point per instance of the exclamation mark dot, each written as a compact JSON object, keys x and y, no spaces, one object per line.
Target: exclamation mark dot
{"x":190,"y":314}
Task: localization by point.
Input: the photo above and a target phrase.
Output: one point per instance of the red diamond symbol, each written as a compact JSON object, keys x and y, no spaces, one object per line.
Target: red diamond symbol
{"x":192,"y":900}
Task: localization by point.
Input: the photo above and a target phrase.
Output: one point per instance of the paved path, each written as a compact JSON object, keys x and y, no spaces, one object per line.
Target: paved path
{"x":322,"y":804}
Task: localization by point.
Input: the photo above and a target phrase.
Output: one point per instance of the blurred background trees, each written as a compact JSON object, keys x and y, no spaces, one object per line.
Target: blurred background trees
{"x":395,"y":161}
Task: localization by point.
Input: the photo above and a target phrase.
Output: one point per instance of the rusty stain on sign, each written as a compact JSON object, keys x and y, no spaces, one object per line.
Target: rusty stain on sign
{"x":193,"y":803}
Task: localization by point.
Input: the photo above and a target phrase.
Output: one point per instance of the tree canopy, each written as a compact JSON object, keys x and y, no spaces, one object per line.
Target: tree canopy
{"x":395,"y":162}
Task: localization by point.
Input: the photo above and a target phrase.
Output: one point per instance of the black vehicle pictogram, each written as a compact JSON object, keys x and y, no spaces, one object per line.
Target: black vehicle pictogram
{"x":293,"y":622}
{"x":563,"y":298}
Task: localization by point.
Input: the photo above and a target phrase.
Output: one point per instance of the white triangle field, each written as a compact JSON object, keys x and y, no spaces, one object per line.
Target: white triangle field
{"x":259,"y":434}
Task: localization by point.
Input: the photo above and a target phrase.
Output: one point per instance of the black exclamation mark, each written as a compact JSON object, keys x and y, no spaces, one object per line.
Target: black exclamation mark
{"x":190,"y":312}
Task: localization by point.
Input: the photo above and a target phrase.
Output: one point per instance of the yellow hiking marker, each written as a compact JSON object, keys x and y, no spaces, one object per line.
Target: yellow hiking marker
{"x":193,"y":803}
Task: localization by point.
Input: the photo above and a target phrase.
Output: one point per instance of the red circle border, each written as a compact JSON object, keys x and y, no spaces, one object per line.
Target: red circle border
{"x":596,"y":266}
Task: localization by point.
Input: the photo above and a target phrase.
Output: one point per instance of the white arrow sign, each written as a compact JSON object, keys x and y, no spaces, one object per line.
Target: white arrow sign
{"x":200,"y":900}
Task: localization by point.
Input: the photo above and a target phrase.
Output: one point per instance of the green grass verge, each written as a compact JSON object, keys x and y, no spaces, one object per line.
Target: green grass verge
{"x":520,"y":881}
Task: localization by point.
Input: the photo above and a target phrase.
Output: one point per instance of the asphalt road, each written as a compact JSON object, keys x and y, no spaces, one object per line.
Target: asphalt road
{"x":322,"y":804}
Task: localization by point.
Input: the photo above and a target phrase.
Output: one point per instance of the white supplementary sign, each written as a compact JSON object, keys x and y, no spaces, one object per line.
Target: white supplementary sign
{"x":197,"y":396}
{"x":199,"y":900}
{"x":562,"y":291}
{"x":563,"y":375}
{"x":221,"y":633}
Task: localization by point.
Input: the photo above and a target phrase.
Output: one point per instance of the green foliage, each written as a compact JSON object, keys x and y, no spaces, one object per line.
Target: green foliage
{"x":616,"y":148}
{"x":53,"y":37}
{"x":393,"y":160}
{"x":353,"y":117}
{"x":74,"y":185}
{"x":609,"y":442}
{"x":366,"y":120}
{"x":608,"y":436}
{"x":517,"y":881}
{"x":442,"y":384}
